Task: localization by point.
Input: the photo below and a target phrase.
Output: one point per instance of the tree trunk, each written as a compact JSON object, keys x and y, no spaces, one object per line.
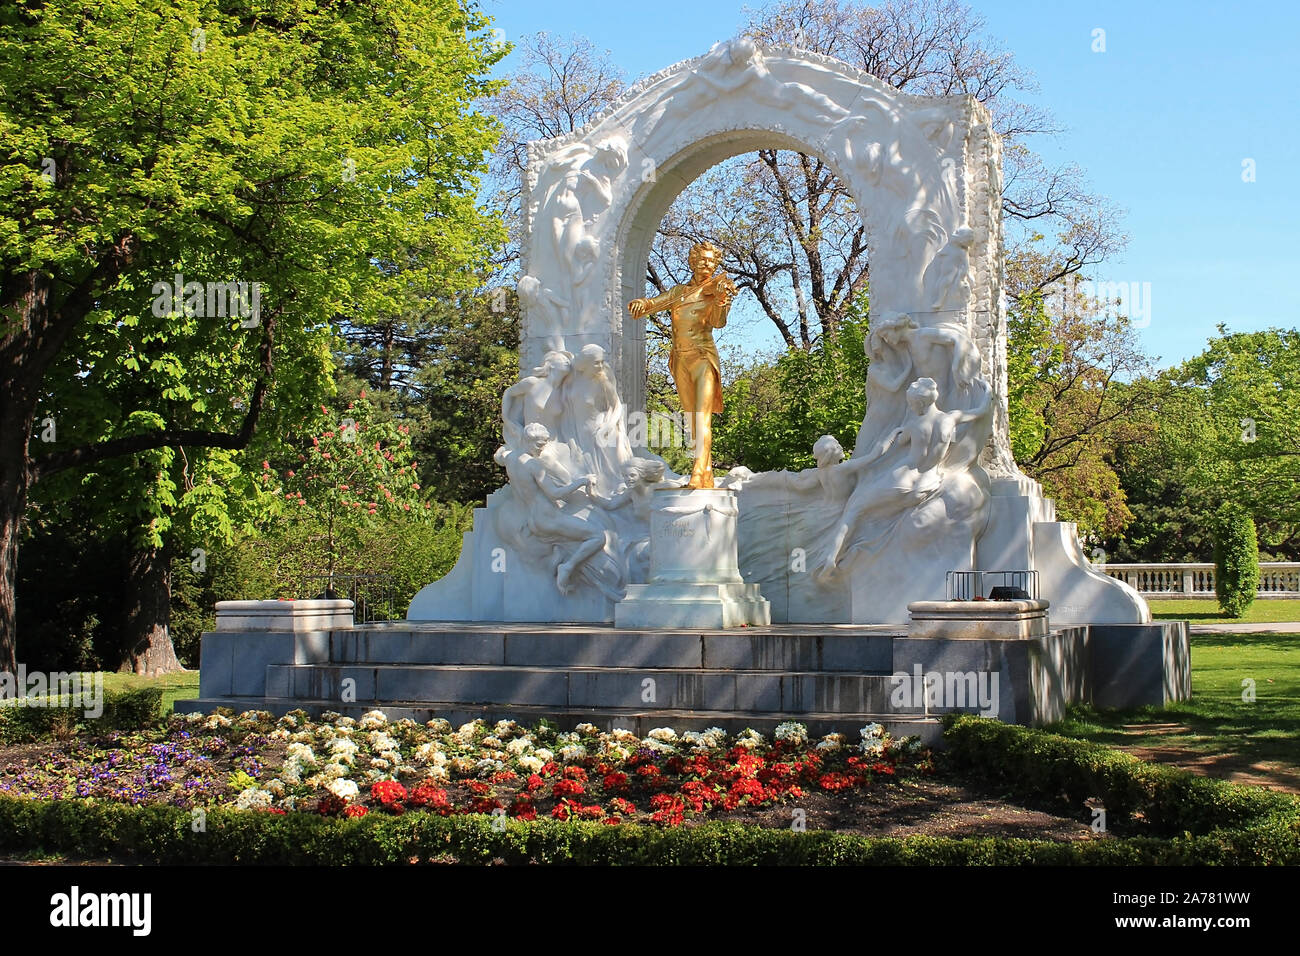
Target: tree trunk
{"x":147,"y":614}
{"x":13,"y":502}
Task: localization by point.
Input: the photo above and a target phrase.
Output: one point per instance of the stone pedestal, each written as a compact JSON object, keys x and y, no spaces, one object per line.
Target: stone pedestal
{"x":694,"y":578}
{"x":978,"y":620}
{"x":296,"y":616}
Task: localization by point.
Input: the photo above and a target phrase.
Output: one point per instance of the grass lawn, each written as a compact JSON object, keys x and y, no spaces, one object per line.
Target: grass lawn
{"x":1216,"y":732}
{"x":182,"y":686}
{"x":1207,"y":611}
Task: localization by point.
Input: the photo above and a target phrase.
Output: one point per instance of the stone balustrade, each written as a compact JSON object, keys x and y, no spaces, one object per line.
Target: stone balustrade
{"x":1277,"y":579}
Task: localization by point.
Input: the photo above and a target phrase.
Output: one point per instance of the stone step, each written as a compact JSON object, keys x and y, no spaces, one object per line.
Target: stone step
{"x":638,"y":720}
{"x":750,"y":649}
{"x":695,"y":689}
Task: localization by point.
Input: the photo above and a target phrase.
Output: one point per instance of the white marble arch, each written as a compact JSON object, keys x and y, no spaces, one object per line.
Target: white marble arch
{"x":925,"y":173}
{"x":919,"y":168}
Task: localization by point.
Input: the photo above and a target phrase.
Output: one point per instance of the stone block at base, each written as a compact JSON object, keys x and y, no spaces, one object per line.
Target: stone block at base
{"x":706,"y":606}
{"x":978,"y":620}
{"x":295,"y":616}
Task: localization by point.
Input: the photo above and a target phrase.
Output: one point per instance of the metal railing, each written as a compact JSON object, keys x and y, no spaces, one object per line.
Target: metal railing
{"x":1277,"y":579}
{"x":371,"y":594}
{"x":979,"y":585}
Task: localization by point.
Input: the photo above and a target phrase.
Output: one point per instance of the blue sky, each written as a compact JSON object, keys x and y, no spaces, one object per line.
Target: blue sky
{"x":1161,"y":123}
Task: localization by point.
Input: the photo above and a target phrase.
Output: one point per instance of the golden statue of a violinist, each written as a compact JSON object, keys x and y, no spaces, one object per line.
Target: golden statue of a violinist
{"x":697,"y":307}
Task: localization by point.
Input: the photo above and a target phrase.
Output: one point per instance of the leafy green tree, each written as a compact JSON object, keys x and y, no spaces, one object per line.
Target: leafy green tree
{"x":1249,"y":386}
{"x":299,"y":148}
{"x":355,"y":467}
{"x":1229,"y":433}
{"x":775,"y":412}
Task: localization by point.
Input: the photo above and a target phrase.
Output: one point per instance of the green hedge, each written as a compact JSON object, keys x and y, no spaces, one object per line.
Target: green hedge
{"x":1166,"y":801}
{"x":123,"y":710}
{"x":1236,"y":560}
{"x":166,"y":835}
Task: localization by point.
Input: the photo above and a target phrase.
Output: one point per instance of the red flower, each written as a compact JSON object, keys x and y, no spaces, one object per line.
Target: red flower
{"x":389,"y":793}
{"x":615,"y":781}
{"x":534,"y":783}
{"x":429,"y":794}
{"x":356,"y":811}
{"x":478,"y":787}
{"x":567,"y":788}
{"x":575,"y":773}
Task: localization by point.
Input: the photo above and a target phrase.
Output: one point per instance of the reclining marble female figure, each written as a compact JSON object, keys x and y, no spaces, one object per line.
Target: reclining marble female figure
{"x":924,"y":443}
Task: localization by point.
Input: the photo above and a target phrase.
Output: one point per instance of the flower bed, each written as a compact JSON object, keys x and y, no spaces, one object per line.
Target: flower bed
{"x":338,"y":766}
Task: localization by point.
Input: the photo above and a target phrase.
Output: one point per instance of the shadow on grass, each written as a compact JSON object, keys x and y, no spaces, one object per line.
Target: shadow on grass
{"x":1229,"y":739}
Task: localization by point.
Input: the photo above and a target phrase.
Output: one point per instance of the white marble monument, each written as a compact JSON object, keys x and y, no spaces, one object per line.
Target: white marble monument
{"x":930,"y":485}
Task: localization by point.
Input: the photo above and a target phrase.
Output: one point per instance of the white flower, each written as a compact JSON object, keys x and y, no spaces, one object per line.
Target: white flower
{"x":253,"y":799}
{"x":617,"y":751}
{"x":504,"y":728}
{"x":345,"y":723}
{"x":345,"y":790}
{"x":405,"y":725}
{"x":330,"y":716}
{"x":300,"y":753}
{"x":279,"y":734}
{"x":461,"y":765}
{"x":302,"y":737}
{"x":749,"y":739}
{"x":872,"y":747}
{"x":831,"y":742}
{"x":624,"y":736}
{"x":291,"y":773}
{"x":288,"y":721}
{"x":519,"y":745}
{"x":530,"y":763}
{"x":289,"y":803}
{"x":488,"y":766}
{"x":544,"y":755}
{"x":567,"y":738}
{"x":373,"y":720}
{"x":216,"y":722}
{"x":343,"y":750}
{"x":438,"y":773}
{"x":439,"y":726}
{"x":666,"y":734}
{"x":378,"y":764}
{"x":195,"y":718}
{"x":379,"y":740}
{"x":274,"y":787}
{"x":658,"y":746}
{"x":792,"y":732}
{"x":467,"y":731}
{"x":587,"y":730}
{"x":572,"y":752}
{"x":429,"y":753}
{"x":491,"y":743}
{"x":872,"y":731}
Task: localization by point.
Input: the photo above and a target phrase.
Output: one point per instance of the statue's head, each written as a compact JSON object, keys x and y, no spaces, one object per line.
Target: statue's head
{"x":536,"y":436}
{"x":591,"y":361}
{"x":828,"y":451}
{"x":555,"y":365}
{"x":922,"y":393}
{"x":891,"y":328}
{"x":704,"y":259}
{"x":637,"y":470}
